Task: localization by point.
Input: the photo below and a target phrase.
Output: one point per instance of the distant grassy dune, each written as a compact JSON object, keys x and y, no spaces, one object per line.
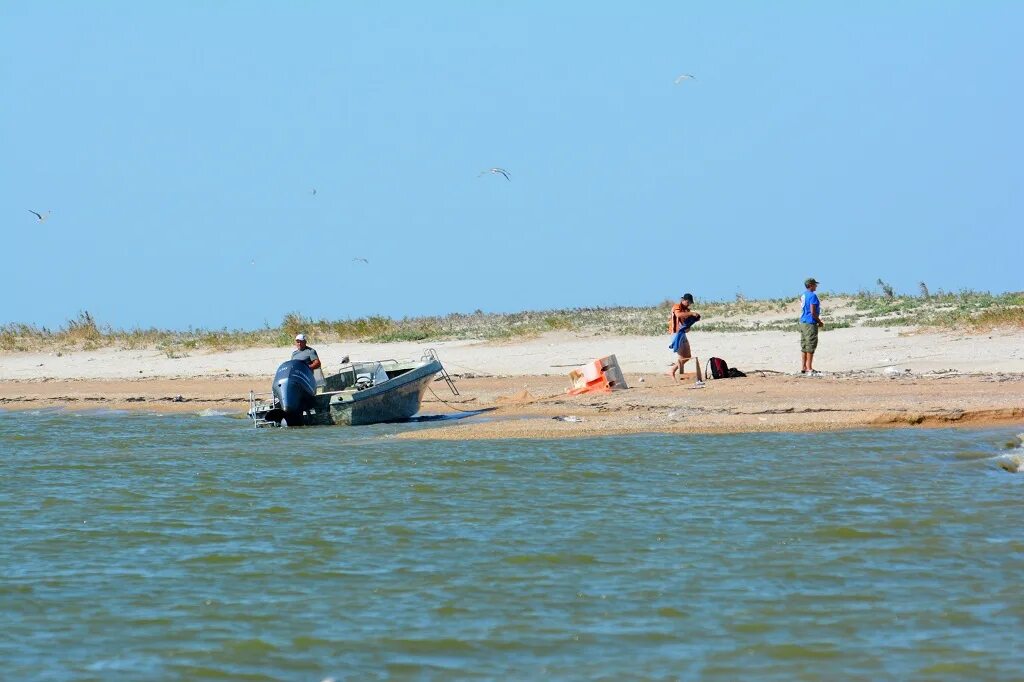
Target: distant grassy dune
{"x":965,"y":310}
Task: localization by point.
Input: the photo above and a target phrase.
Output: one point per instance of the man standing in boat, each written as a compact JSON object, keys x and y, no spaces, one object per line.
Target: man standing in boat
{"x":308,"y":355}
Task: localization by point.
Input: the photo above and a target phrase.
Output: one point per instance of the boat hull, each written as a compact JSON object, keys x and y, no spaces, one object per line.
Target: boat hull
{"x":385,"y":402}
{"x":394,"y":400}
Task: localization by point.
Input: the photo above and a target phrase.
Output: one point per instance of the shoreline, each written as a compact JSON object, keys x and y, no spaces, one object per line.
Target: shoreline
{"x":873,"y":377}
{"x":525,"y":406}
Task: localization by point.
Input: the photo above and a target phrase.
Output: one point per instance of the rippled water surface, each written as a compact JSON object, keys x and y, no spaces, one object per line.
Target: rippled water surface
{"x":185,"y":547}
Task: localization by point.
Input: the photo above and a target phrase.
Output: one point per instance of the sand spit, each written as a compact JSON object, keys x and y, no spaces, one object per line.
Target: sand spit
{"x":526,"y":407}
{"x":874,"y":377}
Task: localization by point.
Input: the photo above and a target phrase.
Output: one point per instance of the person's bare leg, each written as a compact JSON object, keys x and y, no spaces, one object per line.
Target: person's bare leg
{"x":808,"y":362}
{"x":684,"y":357}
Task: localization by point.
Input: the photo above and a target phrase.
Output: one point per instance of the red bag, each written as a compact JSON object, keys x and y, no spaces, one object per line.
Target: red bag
{"x":719,"y":368}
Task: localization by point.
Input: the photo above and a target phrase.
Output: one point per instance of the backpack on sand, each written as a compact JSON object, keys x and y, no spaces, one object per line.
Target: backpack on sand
{"x":717,"y":368}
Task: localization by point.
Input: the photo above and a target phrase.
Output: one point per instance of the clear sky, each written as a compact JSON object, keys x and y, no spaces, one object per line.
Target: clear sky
{"x":178,"y":146}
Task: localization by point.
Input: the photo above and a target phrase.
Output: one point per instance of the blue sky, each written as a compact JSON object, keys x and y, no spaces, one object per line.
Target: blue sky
{"x":178,"y":146}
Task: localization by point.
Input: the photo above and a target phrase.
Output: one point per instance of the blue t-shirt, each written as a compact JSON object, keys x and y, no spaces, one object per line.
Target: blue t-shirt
{"x":809,"y":298}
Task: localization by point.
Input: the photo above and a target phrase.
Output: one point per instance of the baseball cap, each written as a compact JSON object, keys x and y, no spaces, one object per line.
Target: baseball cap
{"x":688,"y":297}
{"x":300,"y":337}
{"x":809,"y":281}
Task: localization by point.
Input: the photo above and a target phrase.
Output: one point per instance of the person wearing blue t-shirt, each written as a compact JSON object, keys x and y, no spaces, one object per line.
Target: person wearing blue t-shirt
{"x":810,"y":322}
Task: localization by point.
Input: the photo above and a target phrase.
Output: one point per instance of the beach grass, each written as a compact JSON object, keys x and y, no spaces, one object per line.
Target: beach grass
{"x":964,"y":310}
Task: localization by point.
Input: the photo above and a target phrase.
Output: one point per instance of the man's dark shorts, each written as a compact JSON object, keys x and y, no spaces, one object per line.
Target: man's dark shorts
{"x":808,"y":337}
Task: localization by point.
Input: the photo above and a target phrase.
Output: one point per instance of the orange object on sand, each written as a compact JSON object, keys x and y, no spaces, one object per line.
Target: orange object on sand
{"x":597,"y":376}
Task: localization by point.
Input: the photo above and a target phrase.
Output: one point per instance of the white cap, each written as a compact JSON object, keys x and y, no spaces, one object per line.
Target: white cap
{"x":300,"y":337}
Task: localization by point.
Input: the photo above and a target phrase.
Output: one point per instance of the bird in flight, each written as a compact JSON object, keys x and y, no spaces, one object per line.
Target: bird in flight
{"x":314,"y":191}
{"x":361,"y":260}
{"x":496,"y":171}
{"x":39,"y":216}
{"x":685,"y":77}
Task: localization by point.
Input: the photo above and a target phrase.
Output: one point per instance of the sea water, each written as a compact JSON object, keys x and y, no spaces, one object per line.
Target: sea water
{"x":194,"y":547}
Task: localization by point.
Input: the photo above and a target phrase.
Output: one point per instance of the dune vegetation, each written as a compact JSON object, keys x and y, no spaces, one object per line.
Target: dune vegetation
{"x":964,"y":310}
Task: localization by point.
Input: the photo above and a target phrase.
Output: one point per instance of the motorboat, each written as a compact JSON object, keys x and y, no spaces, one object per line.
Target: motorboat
{"x":359,"y":393}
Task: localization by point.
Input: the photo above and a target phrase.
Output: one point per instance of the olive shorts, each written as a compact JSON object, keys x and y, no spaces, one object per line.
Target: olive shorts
{"x":808,"y":337}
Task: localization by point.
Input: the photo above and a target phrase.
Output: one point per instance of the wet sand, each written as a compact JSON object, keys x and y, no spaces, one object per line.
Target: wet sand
{"x":525,"y":406}
{"x":760,"y":402}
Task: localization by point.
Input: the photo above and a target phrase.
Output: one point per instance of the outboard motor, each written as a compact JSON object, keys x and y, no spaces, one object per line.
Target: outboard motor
{"x":295,"y":391}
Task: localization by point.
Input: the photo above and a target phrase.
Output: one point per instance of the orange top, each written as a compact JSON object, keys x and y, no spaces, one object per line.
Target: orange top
{"x":679,"y":315}
{"x":673,"y":320}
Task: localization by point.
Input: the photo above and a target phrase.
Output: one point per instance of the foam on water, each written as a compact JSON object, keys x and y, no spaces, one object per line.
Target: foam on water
{"x":211,"y":412}
{"x":1013,"y":461}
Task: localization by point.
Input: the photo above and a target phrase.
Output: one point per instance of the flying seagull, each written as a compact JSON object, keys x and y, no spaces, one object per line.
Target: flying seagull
{"x":685,"y":77}
{"x":39,"y":216}
{"x":361,"y":260}
{"x":496,"y":171}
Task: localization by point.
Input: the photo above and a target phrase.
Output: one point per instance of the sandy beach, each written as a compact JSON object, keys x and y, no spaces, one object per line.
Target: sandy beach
{"x":873,"y":376}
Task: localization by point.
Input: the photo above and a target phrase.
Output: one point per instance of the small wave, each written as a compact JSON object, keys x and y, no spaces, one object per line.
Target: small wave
{"x":50,"y":411}
{"x":210,"y":412}
{"x":307,"y":642}
{"x":849,"y":533}
{"x":431,"y":645}
{"x":550,"y":559}
{"x":252,"y":645}
{"x":1011,"y":462}
{"x":972,"y":455}
{"x":785,"y":652}
{"x":216,"y":559}
{"x":450,"y":609}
